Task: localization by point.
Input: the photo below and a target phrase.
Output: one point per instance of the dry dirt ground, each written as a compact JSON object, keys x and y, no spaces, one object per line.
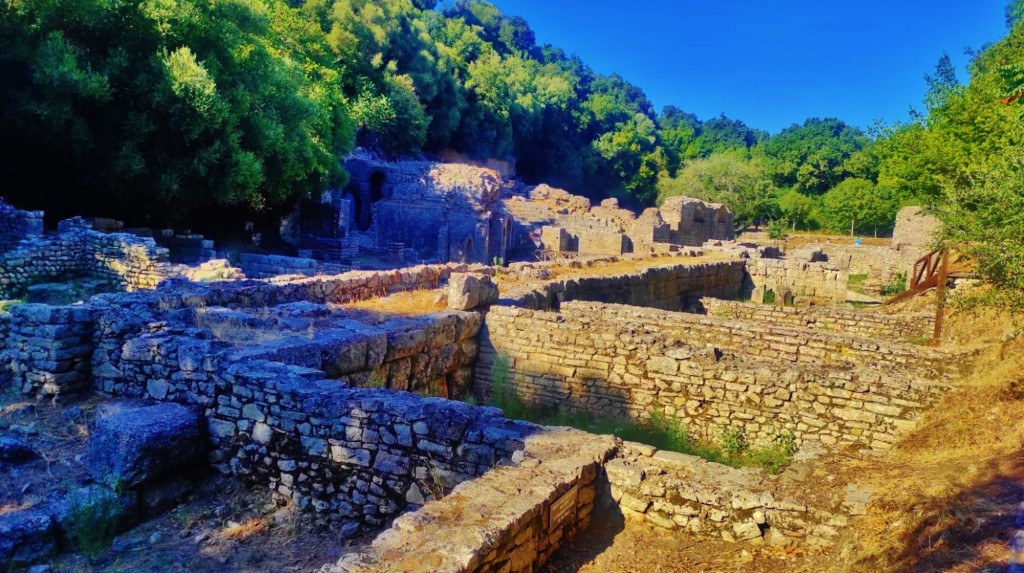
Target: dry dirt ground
{"x":613,"y":546}
{"x":222,"y":527}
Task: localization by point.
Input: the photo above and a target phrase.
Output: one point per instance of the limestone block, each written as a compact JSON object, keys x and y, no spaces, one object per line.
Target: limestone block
{"x":467,"y":291}
{"x":131,"y":444}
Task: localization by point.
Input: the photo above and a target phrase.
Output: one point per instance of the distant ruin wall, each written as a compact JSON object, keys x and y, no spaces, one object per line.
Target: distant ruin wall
{"x":256,"y":266}
{"x":667,"y":287}
{"x":868,"y":324}
{"x":820,"y":283}
{"x":17,"y":225}
{"x":125,"y":261}
{"x":626,"y":362}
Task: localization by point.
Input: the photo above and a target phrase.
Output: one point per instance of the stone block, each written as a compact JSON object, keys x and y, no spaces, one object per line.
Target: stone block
{"x":132,"y":444}
{"x":467,"y":291}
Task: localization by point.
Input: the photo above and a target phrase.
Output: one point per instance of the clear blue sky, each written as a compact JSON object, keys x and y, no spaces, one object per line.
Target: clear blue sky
{"x":770,"y":63}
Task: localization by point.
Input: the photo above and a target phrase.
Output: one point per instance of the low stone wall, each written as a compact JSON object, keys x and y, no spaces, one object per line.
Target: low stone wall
{"x":258,"y":266}
{"x":669,"y":287}
{"x":17,"y":225}
{"x":510,"y":520}
{"x":785,"y":344}
{"x":678,"y":491}
{"x":868,"y":324}
{"x":125,"y":261}
{"x":48,"y":348}
{"x":879,"y":263}
{"x":819,"y":283}
{"x":707,"y":373}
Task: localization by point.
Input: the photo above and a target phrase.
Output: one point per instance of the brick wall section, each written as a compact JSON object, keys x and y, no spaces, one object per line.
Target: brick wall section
{"x":669,"y":287}
{"x":866,"y":324}
{"x":624,"y":362}
{"x":494,"y":523}
{"x":822,"y":283}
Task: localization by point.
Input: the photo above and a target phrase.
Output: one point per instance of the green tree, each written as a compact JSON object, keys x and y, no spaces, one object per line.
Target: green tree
{"x":166,"y":109}
{"x":731,"y":178}
{"x":797,"y":208}
{"x":857,"y":205}
{"x":813,"y":158}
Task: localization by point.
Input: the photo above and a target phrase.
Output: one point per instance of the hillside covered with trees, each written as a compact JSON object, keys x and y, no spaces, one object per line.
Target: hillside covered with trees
{"x":171,"y":111}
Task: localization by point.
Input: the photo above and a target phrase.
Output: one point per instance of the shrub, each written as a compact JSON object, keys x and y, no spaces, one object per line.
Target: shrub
{"x":777,"y":229}
{"x":94,"y":519}
{"x":897,"y":285}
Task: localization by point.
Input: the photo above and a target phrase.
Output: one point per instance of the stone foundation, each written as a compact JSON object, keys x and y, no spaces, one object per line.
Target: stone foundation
{"x":859,"y":323}
{"x":707,"y":373}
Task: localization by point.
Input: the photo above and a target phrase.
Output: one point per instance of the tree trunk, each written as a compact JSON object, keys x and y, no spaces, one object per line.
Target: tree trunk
{"x":853,"y":223}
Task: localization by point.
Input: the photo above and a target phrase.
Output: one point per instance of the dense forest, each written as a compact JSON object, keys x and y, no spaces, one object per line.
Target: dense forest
{"x":164,"y":111}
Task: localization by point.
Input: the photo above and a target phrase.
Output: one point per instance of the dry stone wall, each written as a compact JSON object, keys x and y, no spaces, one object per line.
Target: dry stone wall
{"x":867,"y":324}
{"x":678,"y":491}
{"x":47,"y":349}
{"x":496,"y":524}
{"x":670,"y":287}
{"x":624,"y":362}
{"x":818,"y":282}
{"x":125,"y":261}
{"x":17,"y":225}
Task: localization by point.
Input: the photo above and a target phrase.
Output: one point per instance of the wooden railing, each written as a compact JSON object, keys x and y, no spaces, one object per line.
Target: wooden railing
{"x":930,"y":271}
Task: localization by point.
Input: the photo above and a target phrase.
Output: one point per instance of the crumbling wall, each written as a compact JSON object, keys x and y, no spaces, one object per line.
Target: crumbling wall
{"x":125,"y":261}
{"x":258,"y":266}
{"x":677,"y":491}
{"x":625,"y":362}
{"x":17,"y":225}
{"x":669,"y":287}
{"x":868,"y":324}
{"x":819,"y":282}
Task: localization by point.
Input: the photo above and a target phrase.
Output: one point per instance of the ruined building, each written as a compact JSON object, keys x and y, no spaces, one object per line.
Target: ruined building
{"x":426,"y":211}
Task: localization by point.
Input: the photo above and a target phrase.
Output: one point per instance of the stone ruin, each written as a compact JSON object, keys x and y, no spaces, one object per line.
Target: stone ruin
{"x":372,"y":416}
{"x":426,"y":211}
{"x":914,"y":236}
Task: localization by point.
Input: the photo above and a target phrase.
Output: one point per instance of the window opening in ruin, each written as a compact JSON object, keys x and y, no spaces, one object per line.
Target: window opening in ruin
{"x":364,"y":208}
{"x":377,"y":186}
{"x":698,"y":216}
{"x":468,"y":250}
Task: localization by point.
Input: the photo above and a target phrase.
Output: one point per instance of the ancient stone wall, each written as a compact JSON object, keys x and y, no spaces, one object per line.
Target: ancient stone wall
{"x":818,"y":282}
{"x":868,"y":324}
{"x":678,"y":491}
{"x":17,"y":225}
{"x":670,"y":287}
{"x":258,"y":266}
{"x":364,"y":453}
{"x":49,"y":349}
{"x":694,"y":222}
{"x":626,"y":362}
{"x":497,"y":523}
{"x":125,"y":261}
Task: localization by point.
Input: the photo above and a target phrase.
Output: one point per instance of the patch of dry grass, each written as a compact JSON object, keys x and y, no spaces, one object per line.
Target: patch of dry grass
{"x":948,"y":494}
{"x":245,"y":530}
{"x":408,"y":303}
